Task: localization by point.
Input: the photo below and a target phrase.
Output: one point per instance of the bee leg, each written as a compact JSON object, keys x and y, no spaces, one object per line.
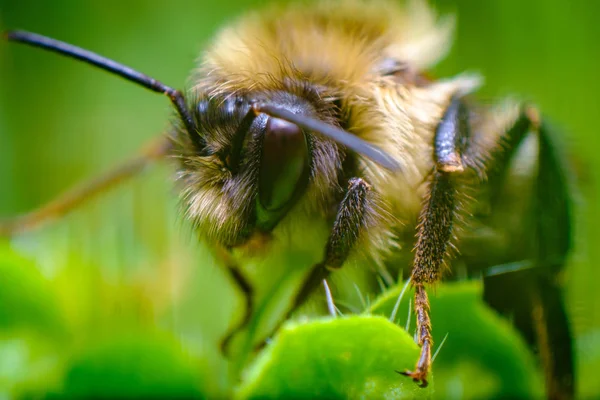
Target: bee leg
{"x":350,"y":220}
{"x":436,"y":221}
{"x":433,"y":237}
{"x":553,"y":229}
{"x":248,"y":292}
{"x":537,"y":306}
{"x":73,"y":198}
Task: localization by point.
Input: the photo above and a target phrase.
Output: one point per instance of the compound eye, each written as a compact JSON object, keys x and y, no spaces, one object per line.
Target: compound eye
{"x":284,"y":164}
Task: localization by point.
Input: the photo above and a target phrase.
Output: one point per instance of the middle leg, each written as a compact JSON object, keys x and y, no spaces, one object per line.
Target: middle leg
{"x":434,"y":235}
{"x":436,"y":223}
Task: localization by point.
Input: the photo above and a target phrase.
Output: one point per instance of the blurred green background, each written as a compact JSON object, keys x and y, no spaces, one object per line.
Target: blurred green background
{"x":125,"y":263}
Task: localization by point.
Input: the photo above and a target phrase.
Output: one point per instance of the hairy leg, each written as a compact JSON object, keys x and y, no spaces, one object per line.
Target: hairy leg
{"x":349,"y":222}
{"x":537,"y":305}
{"x":351,"y":219}
{"x":70,"y":200}
{"x":247,"y":291}
{"x":436,"y":222}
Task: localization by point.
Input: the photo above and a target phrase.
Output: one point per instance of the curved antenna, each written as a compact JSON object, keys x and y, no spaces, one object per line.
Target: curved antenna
{"x":347,"y":139}
{"x":176,"y":97}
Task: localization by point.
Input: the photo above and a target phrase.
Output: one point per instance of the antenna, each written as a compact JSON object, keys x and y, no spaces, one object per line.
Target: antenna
{"x":176,"y":97}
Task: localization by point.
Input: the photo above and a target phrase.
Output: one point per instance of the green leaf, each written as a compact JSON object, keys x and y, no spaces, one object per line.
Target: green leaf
{"x":483,"y":356}
{"x":335,"y":358}
{"x":138,"y":365}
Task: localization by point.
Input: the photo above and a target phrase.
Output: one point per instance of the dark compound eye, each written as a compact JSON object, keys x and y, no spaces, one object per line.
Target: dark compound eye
{"x":284,"y":164}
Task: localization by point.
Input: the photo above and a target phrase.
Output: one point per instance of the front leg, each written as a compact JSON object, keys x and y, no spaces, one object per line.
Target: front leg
{"x":351,"y":219}
{"x":242,"y":283}
{"x":356,"y":213}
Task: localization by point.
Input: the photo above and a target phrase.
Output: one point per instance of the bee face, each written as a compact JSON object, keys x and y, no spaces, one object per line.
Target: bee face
{"x":251,"y":169}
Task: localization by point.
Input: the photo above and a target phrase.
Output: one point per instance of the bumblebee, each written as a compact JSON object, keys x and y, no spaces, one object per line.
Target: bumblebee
{"x":316,"y":130}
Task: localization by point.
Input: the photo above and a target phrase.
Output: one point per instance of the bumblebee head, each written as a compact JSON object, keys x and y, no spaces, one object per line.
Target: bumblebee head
{"x":244,"y":159}
{"x":253,"y":155}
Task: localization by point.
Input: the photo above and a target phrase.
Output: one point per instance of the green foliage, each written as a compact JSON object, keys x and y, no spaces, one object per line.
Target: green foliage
{"x":26,"y":299}
{"x":335,"y":358}
{"x":134,"y":365}
{"x":345,"y":357}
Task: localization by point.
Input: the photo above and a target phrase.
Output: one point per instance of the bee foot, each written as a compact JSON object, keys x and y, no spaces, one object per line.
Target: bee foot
{"x":420,"y":377}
